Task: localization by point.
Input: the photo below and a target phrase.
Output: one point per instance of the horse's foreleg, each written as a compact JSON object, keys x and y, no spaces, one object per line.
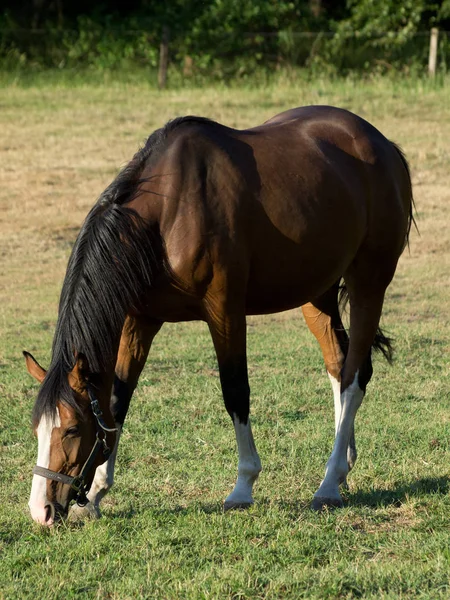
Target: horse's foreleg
{"x":357,"y":371}
{"x":228,"y":330}
{"x":135,"y":343}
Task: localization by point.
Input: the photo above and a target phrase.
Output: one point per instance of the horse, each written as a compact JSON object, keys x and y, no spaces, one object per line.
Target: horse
{"x":212,"y":223}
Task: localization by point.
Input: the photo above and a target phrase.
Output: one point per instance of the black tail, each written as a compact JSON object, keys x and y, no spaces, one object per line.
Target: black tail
{"x":381,"y":343}
{"x":412,"y":206}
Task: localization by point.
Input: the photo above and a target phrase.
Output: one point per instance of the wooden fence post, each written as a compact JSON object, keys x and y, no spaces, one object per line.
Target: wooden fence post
{"x":432,"y":59}
{"x":163,"y":58}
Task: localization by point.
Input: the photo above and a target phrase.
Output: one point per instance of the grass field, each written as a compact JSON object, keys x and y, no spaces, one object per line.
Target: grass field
{"x":163,"y":534}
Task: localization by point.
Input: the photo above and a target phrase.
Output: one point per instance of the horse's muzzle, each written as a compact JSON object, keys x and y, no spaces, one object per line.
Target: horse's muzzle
{"x":54,"y":512}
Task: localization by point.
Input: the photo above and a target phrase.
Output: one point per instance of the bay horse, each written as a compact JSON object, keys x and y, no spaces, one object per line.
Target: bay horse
{"x":212,"y":223}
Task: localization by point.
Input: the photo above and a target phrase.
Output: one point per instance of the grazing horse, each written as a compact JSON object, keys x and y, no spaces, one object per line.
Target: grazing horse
{"x":212,"y":223}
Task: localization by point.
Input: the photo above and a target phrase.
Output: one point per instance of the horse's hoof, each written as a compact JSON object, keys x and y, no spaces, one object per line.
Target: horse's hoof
{"x":83,"y":513}
{"x":320,"y":503}
{"x":231,"y":505}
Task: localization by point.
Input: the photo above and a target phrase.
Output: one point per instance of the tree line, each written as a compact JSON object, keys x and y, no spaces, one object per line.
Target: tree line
{"x":221,"y":37}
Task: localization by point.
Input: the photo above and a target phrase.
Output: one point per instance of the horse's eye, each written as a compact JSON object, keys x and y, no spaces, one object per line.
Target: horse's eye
{"x":72,"y":432}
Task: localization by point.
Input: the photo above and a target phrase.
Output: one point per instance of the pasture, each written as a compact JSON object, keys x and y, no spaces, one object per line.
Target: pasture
{"x":163,"y":533}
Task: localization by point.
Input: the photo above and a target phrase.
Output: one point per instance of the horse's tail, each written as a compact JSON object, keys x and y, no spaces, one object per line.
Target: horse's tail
{"x":411,"y":219}
{"x":381,"y":343}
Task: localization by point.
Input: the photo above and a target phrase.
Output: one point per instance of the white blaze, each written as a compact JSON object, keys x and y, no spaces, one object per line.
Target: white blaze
{"x":38,"y":496}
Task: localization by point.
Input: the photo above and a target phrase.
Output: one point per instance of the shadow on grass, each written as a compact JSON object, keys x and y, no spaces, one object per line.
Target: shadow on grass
{"x":397,"y":495}
{"x":208,"y":508}
{"x":394,"y":496}
{"x":292,"y":508}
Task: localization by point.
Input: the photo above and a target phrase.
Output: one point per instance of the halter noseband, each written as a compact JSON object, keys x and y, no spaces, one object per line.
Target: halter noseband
{"x":77,"y":483}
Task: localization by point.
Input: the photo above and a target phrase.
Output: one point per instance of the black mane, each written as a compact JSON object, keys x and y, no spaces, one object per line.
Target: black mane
{"x":113,"y":262}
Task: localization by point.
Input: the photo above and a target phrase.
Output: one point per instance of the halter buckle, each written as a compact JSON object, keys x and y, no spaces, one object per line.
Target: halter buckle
{"x":101,"y":437}
{"x":95,"y":405}
{"x":77,"y":483}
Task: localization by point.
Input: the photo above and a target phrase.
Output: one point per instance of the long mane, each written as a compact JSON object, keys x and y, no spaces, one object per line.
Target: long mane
{"x":115,"y":258}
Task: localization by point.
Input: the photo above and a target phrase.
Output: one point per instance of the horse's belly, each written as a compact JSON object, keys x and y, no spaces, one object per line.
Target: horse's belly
{"x":283,"y":281}
{"x":268,"y":302}
{"x":265,"y":298}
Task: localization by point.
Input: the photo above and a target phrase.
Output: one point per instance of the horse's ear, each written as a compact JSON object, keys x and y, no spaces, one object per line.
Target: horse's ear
{"x":80,"y":372}
{"x":34,"y":368}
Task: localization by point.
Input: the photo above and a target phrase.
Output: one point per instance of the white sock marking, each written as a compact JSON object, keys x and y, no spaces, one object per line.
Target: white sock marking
{"x":249,"y":465}
{"x":336,"y":385}
{"x":104,"y":475}
{"x":38,"y":496}
{"x":337,"y":465}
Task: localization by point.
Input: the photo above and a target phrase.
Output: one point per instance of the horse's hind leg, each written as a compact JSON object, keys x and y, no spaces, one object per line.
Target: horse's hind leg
{"x":135,"y":343}
{"x":365,"y":312}
{"x":324,"y":321}
{"x":227,"y":324}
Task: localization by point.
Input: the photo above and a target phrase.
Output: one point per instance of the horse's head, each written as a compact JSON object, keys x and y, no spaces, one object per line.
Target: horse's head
{"x":73,"y":439}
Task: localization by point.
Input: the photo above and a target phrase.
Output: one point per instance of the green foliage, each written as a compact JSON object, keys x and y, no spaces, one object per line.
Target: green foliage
{"x":389,"y":18}
{"x":380,"y":36}
{"x":444,"y":11}
{"x":224,"y":39}
{"x":108,"y":45}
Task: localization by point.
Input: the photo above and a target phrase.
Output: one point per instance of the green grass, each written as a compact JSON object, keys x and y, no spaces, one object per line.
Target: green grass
{"x":163,"y":533}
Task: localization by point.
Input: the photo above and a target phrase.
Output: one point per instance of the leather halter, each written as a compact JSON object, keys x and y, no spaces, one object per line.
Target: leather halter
{"x":78,"y":483}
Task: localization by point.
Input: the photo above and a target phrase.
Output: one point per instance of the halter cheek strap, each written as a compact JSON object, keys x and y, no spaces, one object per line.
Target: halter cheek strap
{"x":77,"y":483}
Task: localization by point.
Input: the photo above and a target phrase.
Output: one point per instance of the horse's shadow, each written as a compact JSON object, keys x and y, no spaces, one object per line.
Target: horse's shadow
{"x":397,"y":495}
{"x":375,"y":498}
{"x":207,"y":508}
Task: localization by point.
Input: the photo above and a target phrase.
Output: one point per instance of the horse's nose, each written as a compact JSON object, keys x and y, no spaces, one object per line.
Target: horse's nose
{"x":43,"y":514}
{"x":50,"y":513}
